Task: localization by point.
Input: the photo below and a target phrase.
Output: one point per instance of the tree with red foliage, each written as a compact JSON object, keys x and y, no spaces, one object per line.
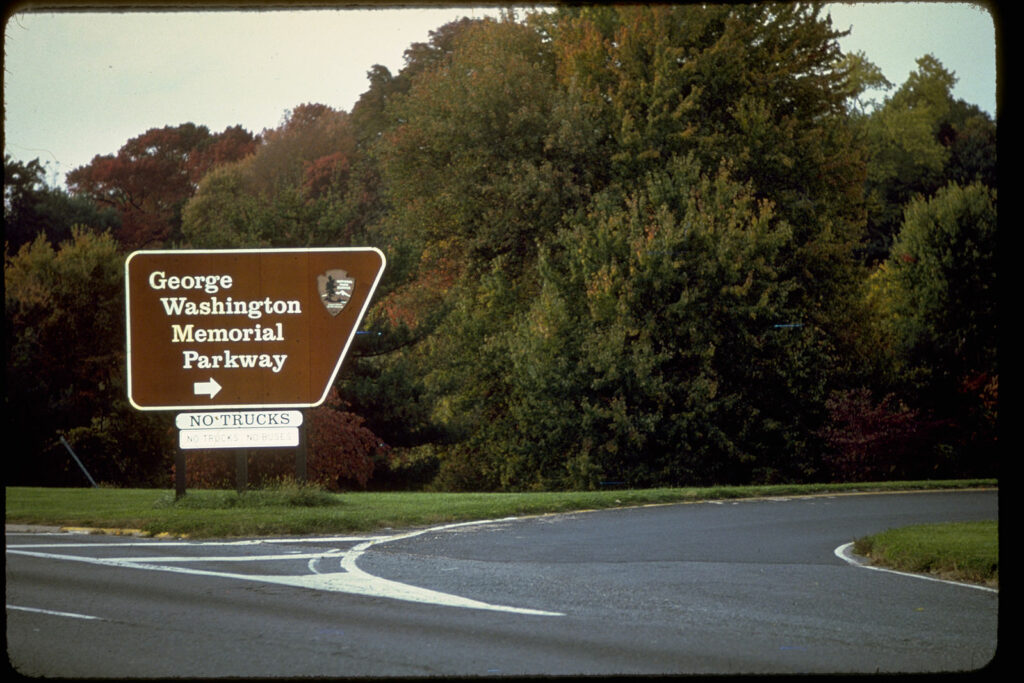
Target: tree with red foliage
{"x":875,"y":441}
{"x":342,"y":450}
{"x":151,"y":177}
{"x":233,"y":144}
{"x":320,"y":174}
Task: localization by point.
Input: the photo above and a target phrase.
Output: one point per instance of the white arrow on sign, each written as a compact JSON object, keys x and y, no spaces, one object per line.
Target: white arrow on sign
{"x":211,"y":388}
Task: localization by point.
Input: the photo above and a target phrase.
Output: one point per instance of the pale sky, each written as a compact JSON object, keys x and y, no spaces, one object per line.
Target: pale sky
{"x":81,"y":84}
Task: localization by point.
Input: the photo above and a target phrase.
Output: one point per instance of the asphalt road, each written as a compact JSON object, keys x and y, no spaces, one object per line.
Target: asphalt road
{"x":744,"y":587}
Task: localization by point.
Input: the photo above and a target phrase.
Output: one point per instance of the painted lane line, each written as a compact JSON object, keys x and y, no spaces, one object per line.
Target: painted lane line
{"x":354,"y":576}
{"x":356,"y":583}
{"x":192,"y":544}
{"x":314,"y":564}
{"x":222,"y":558}
{"x":53,"y":613}
{"x":845,"y":553}
{"x":350,"y":579}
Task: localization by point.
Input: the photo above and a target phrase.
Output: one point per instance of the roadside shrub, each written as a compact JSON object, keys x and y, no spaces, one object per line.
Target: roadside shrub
{"x":342,"y":454}
{"x":407,"y":469}
{"x":342,"y":451}
{"x":869,"y":441}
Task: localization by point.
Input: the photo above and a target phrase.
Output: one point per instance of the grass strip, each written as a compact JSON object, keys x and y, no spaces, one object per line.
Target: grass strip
{"x":290,"y":509}
{"x":960,"y":551}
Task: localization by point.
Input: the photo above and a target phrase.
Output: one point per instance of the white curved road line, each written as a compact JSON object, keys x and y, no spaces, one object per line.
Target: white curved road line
{"x":845,"y":553}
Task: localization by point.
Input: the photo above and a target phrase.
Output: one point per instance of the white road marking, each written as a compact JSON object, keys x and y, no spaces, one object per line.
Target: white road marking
{"x":222,"y":558}
{"x":844,"y":552}
{"x":349,"y":579}
{"x":192,"y":544}
{"x":51,"y":612}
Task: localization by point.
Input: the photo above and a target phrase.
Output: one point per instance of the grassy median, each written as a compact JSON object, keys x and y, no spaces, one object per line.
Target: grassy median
{"x":961,"y":551}
{"x":291,"y":509}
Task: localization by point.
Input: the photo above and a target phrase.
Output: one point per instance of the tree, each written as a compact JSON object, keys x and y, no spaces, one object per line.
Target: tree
{"x":222,"y":214}
{"x":64,"y":327}
{"x":941,"y":280}
{"x":305,"y":185}
{"x":469,"y":166}
{"x":918,"y":140}
{"x":151,"y":177}
{"x":649,"y":356}
{"x":764,"y":87}
{"x":307,"y":134}
{"x":871,"y":441}
{"x":370,"y":113}
{"x":863,"y":76}
{"x":938,"y":306}
{"x":473,"y":182}
{"x":32,"y":208}
{"x":574,"y":134}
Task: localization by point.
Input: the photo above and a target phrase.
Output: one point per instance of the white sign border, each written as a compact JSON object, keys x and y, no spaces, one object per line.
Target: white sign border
{"x":182,"y":420}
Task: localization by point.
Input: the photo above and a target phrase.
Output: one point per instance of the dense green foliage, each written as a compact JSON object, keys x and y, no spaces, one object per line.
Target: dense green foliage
{"x":639,"y":245}
{"x":32,"y":208}
{"x":64,"y":316}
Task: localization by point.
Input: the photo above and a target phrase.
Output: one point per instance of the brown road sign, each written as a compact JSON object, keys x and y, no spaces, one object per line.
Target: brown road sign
{"x":243,"y":328}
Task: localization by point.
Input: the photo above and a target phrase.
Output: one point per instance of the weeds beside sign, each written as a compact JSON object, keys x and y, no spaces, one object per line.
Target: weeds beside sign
{"x":215,"y":330}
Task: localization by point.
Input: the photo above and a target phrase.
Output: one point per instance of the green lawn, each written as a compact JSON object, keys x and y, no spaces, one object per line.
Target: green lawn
{"x":963,"y":551}
{"x":294,"y":510}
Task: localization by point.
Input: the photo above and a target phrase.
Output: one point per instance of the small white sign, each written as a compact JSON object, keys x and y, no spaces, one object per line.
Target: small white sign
{"x":273,"y":437}
{"x":252,"y":419}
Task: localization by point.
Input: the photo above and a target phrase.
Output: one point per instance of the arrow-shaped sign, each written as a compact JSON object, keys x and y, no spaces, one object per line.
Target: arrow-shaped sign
{"x":211,"y":388}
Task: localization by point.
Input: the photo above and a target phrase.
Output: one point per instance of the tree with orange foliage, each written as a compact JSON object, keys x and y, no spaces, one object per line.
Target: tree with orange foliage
{"x":306,"y":185}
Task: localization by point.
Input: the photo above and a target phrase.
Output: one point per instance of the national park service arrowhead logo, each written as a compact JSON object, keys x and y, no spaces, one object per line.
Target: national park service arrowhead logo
{"x":335,"y":288}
